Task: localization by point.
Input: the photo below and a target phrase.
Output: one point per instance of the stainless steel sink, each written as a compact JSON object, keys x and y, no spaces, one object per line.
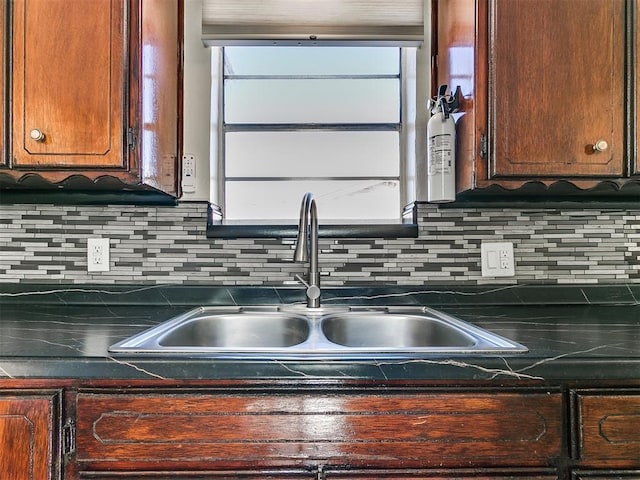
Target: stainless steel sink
{"x":393,"y":330}
{"x":238,"y":330}
{"x":311,"y":333}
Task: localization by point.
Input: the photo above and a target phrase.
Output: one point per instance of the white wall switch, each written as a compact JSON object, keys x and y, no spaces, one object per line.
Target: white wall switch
{"x":497,"y":259}
{"x":97,"y":255}
{"x":188,"y":173}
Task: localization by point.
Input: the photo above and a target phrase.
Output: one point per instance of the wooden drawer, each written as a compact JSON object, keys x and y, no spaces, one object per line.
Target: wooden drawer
{"x":607,"y":429}
{"x":204,"y":431}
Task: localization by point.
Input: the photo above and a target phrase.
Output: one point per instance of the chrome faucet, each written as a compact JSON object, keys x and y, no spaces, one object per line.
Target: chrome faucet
{"x":307,"y":248}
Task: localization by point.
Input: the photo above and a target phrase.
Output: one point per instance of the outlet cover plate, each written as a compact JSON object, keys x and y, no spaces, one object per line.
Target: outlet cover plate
{"x":497,"y":259}
{"x":97,"y":255}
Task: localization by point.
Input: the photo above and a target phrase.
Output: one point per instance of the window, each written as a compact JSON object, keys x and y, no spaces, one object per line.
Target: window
{"x":330,"y":120}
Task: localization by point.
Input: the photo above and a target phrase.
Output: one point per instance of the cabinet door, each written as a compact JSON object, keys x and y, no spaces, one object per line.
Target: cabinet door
{"x":26,"y":437}
{"x":68,"y":83}
{"x":556,"y":88}
{"x":607,"y":429}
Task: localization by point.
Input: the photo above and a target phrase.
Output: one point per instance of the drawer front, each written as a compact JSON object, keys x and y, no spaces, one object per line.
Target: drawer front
{"x":608,"y":430}
{"x":202,"y":431}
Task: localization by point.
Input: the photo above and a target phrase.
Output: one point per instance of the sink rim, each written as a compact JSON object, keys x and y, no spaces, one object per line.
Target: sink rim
{"x":316,"y":346}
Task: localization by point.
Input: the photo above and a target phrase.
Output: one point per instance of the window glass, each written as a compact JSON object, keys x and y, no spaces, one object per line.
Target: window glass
{"x":297,"y":100}
{"x":312,"y":154}
{"x":338,"y":199}
{"x":311,"y":60}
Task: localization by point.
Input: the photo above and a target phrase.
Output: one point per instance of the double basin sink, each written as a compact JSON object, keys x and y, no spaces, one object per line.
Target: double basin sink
{"x":298,"y":332}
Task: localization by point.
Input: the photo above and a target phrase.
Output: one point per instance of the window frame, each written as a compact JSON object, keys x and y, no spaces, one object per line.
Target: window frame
{"x":406,"y":225}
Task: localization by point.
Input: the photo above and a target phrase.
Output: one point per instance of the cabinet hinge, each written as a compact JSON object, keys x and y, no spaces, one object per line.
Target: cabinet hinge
{"x":483,"y":146}
{"x":69,"y":438}
{"x":131,"y":137}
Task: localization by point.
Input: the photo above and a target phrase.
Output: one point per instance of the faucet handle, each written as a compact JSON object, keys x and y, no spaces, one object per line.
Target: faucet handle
{"x":301,"y":280}
{"x":312,"y":293}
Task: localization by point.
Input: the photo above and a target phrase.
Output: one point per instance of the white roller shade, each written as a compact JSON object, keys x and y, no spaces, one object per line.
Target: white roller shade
{"x":250,"y":22}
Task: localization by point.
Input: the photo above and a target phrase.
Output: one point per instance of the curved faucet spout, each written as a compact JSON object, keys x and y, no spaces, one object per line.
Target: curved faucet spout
{"x":307,"y":247}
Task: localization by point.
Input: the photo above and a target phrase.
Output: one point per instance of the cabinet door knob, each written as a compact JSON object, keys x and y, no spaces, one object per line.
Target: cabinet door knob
{"x":37,"y":135}
{"x":600,"y":146}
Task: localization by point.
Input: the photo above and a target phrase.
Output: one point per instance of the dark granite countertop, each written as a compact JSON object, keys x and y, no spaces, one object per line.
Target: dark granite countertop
{"x":573,"y":333}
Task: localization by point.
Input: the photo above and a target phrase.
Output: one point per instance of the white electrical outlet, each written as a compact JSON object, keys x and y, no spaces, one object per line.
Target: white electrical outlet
{"x":188,"y":173}
{"x":497,"y":259}
{"x":97,"y":255}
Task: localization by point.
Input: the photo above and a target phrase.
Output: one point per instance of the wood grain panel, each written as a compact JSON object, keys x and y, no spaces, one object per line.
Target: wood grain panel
{"x":199,"y":431}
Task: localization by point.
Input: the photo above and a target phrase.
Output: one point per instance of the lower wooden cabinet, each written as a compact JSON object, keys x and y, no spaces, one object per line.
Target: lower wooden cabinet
{"x":304,"y":431}
{"x":28,"y":426}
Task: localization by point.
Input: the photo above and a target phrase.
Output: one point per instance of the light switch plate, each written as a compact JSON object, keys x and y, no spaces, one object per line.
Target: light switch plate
{"x":188,"y":173}
{"x":497,"y":259}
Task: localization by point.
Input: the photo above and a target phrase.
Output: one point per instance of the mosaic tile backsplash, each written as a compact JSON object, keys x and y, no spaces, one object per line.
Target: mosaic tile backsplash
{"x":167,"y":245}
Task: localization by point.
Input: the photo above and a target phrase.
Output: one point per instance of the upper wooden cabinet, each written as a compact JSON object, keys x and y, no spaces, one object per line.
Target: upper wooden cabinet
{"x":544,"y":89}
{"x":94,"y":92}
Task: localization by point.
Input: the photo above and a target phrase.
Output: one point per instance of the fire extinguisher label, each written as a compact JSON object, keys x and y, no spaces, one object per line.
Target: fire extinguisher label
{"x":441,"y":147}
